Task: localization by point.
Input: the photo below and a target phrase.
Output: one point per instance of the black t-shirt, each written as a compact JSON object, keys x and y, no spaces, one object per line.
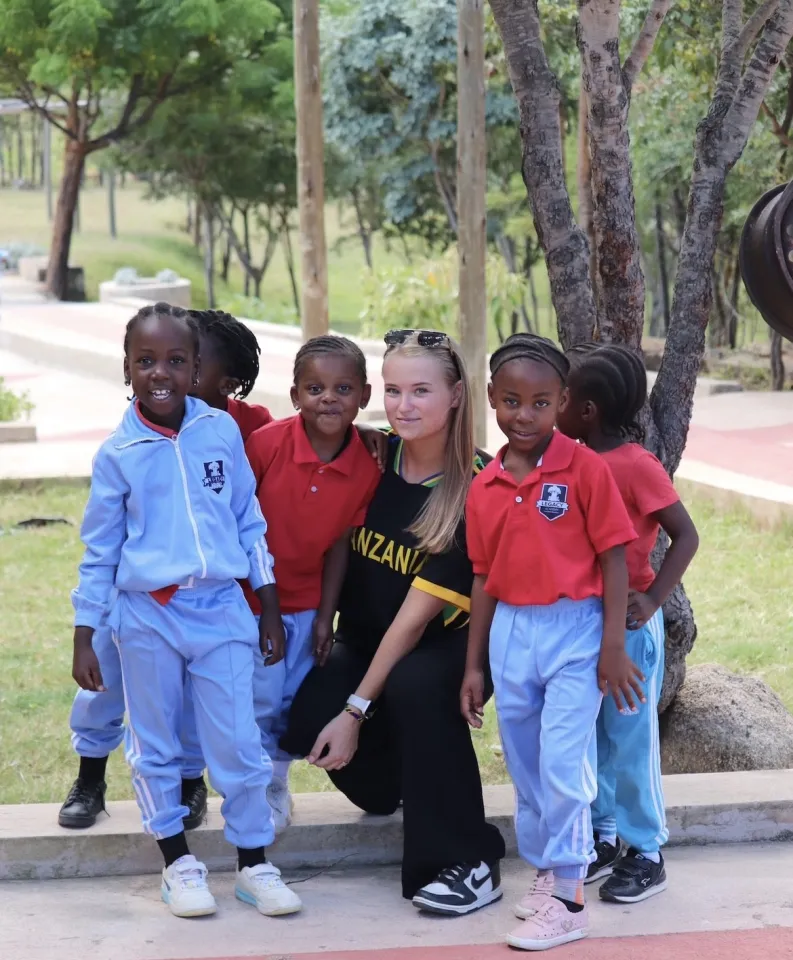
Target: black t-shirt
{"x":384,"y":563}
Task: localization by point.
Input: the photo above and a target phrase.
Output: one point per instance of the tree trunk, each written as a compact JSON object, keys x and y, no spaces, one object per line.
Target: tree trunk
{"x":197,"y":228}
{"x":622,"y":291}
{"x":363,"y":232}
{"x":2,"y":153}
{"x":735,"y":293}
{"x":286,"y":239}
{"x":562,"y":240}
{"x":68,"y":196}
{"x":20,"y":151}
{"x":471,"y":203}
{"x":777,"y":363}
{"x":209,"y":258}
{"x":310,"y":170}
{"x":584,"y":180}
{"x":226,"y":257}
{"x":111,"y":202}
{"x":663,"y":275}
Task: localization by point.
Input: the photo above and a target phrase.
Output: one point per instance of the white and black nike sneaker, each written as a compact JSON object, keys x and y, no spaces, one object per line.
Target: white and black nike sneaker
{"x":635,"y":878}
{"x":606,"y":857}
{"x":461,"y":889}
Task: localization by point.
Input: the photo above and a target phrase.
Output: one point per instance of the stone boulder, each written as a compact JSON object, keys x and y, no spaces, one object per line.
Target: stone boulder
{"x":720,"y":721}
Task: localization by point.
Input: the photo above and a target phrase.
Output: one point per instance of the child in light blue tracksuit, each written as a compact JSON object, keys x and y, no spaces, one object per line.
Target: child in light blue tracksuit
{"x":172,"y":523}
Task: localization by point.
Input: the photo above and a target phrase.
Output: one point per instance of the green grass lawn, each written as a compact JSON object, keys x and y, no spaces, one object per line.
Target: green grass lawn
{"x":744,"y":613}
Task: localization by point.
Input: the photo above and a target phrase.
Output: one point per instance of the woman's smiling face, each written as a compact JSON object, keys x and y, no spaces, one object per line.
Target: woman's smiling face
{"x":418,"y":398}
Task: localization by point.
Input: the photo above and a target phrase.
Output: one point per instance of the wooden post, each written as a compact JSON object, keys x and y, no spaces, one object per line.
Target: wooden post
{"x":310,"y":171}
{"x":48,"y":165}
{"x":471,"y":202}
{"x":111,"y":202}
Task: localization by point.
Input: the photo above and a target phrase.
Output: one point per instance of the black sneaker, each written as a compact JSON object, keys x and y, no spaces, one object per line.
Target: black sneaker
{"x":86,"y":800}
{"x":194,"y":797}
{"x":635,"y":878}
{"x":461,"y":889}
{"x":607,"y":855}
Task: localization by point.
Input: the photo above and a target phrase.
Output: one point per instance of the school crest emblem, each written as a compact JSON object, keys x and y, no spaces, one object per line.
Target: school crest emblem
{"x":214,"y":478}
{"x":553,"y":501}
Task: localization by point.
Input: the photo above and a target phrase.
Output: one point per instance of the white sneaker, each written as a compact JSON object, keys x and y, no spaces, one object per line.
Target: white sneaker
{"x":184,"y":888}
{"x":280,"y":801}
{"x":263,"y":888}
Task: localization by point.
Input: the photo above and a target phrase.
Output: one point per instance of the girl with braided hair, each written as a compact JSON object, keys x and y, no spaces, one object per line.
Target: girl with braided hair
{"x":608,"y":388}
{"x":547,"y":531}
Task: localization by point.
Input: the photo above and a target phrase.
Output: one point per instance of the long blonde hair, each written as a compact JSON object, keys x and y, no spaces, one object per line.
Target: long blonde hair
{"x":437,"y":522}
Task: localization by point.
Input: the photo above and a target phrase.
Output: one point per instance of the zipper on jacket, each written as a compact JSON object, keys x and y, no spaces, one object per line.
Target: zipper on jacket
{"x":175,"y":441}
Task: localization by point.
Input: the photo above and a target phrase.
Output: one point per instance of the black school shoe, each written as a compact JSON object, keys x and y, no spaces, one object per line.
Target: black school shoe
{"x":607,"y":855}
{"x":635,"y":878}
{"x":461,"y":889}
{"x":194,"y":797}
{"x":83,"y":804}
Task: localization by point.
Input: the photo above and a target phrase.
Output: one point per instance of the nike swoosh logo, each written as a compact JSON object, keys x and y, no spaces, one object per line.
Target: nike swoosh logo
{"x":478,"y":884}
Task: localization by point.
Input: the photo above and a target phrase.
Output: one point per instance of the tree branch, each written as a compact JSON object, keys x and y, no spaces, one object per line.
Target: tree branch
{"x":643,"y":45}
{"x":776,"y":126}
{"x":754,"y":25}
{"x":731,"y":21}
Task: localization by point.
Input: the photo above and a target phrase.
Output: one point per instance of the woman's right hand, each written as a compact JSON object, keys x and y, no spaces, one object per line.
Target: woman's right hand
{"x":472,"y":697}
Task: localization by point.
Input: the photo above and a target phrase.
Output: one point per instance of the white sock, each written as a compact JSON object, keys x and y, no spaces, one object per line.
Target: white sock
{"x":281,"y":770}
{"x":607,"y":831}
{"x":654,"y":857}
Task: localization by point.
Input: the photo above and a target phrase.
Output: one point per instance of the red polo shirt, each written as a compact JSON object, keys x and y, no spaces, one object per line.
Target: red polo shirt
{"x":645,"y":488}
{"x":308,"y":504}
{"x":539,"y":541}
{"x":248,"y":416}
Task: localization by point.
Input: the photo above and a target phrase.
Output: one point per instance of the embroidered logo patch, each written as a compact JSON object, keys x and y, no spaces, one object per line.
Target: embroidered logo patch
{"x":213,"y":475}
{"x":553,"y":501}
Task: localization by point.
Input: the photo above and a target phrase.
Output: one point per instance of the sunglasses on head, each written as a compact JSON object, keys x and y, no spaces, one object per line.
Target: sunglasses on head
{"x":424,"y":338}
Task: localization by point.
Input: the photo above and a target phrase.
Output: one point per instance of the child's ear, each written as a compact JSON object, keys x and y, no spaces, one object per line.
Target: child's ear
{"x":228,"y":386}
{"x":293,"y":398}
{"x":457,"y":393}
{"x":490,"y":397}
{"x":127,"y":376}
{"x":366,"y":396}
{"x":588,"y":410}
{"x":197,"y":369}
{"x":564,"y":399}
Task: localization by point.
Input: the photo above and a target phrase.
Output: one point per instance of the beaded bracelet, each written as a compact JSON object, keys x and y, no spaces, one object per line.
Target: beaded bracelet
{"x":354,"y":713}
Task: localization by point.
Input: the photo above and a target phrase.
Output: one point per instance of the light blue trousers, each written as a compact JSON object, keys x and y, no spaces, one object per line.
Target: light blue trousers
{"x":274,"y":688}
{"x":97,"y":719}
{"x":544,"y":665}
{"x":630,"y":796}
{"x":209,"y":634}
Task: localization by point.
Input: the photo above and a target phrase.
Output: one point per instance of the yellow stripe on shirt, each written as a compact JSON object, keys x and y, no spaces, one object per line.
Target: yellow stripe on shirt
{"x":434,"y":590}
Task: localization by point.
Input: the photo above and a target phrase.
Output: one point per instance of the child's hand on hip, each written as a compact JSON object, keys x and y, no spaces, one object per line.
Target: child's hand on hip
{"x":272,"y":640}
{"x":619,"y":676}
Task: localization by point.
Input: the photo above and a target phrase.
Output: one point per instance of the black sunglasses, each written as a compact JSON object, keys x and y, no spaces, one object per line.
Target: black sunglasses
{"x":424,"y":338}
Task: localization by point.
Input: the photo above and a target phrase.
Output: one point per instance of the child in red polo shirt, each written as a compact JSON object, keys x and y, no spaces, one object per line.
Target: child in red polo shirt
{"x":314,"y":478}
{"x":229,"y":368}
{"x":608,"y":388}
{"x":546,"y":530}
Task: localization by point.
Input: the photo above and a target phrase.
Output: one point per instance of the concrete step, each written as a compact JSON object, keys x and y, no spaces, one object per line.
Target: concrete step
{"x":328,"y":830}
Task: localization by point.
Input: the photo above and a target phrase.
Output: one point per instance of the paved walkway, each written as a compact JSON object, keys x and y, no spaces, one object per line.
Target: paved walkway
{"x":738,"y":441}
{"x":722,"y":902}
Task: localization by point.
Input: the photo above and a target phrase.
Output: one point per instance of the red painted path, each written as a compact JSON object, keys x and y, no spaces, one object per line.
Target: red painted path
{"x":771,"y":943}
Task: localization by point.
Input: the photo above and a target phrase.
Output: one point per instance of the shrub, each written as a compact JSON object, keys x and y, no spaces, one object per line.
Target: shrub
{"x":13,"y":406}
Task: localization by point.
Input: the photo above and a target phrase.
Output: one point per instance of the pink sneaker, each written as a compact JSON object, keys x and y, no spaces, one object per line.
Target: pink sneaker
{"x":551,"y":926}
{"x":541,"y":889}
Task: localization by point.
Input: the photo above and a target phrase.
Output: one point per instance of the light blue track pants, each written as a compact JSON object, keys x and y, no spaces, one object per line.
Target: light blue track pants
{"x":97,"y":719}
{"x":630,"y":797}
{"x":208,"y":633}
{"x":544,"y":665}
{"x":274,"y":688}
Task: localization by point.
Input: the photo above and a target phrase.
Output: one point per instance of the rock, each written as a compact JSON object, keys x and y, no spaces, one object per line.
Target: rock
{"x":720,"y":721}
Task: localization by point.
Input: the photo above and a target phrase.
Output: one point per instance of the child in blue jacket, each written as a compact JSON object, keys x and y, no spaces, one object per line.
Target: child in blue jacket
{"x":172,"y":523}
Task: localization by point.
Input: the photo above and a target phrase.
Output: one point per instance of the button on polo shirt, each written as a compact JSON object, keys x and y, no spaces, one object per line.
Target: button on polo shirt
{"x":539,"y":541}
{"x":308,"y":504}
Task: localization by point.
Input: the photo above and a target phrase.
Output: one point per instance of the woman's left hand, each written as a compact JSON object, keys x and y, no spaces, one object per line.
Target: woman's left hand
{"x":340,"y":736}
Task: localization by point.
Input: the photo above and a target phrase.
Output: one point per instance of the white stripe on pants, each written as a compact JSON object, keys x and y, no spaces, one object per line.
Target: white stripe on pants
{"x":629,"y":753}
{"x":544,"y":666}
{"x":208,"y":633}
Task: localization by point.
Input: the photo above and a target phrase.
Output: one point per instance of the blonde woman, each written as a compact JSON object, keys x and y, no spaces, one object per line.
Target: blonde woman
{"x":382,"y":715}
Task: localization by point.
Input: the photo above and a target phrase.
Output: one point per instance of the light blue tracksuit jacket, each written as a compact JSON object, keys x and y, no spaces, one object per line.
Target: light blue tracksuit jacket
{"x":181,"y":511}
